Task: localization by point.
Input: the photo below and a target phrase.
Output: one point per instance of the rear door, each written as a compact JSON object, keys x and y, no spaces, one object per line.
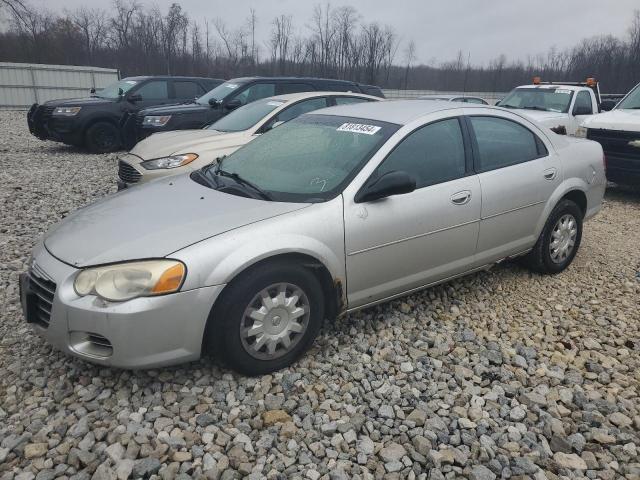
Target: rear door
{"x":518,"y":171}
{"x":406,"y":241}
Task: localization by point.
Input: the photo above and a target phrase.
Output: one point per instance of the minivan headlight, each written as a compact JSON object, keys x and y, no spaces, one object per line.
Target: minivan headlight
{"x":125,"y":281}
{"x":155,"y":120}
{"x":66,"y":111}
{"x":172,"y":161}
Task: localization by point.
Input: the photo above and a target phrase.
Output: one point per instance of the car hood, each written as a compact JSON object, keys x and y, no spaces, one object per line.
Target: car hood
{"x":202,"y":142}
{"x":623,"y":119}
{"x":549,"y":119}
{"x":176,"y":109}
{"x":78,"y":102}
{"x":153,"y":221}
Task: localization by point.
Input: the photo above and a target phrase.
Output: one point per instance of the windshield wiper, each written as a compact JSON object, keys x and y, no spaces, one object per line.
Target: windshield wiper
{"x":241,"y":180}
{"x":542,"y":109}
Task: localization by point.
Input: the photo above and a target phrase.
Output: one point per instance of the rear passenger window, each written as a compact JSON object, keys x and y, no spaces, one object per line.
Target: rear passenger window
{"x":502,"y":143}
{"x":185,"y":89}
{"x":433,"y":154}
{"x":350,"y":100}
{"x":284,"y":88}
{"x":154,"y":90}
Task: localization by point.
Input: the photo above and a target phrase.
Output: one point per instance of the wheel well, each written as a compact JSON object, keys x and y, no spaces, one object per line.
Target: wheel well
{"x":579,"y":198}
{"x":93,"y":121}
{"x":331,"y":288}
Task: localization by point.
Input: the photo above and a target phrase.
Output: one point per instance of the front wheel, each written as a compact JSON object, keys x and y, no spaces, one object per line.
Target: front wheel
{"x":267,"y":318}
{"x":559,"y":241}
{"x":102,"y":137}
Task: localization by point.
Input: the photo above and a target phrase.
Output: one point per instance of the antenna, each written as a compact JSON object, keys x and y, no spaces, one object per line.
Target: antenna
{"x":466,"y":74}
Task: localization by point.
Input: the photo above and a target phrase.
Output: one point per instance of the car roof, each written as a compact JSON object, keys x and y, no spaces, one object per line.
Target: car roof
{"x":292,"y":97}
{"x":174,"y":77}
{"x":400,"y":112}
{"x":554,"y":87}
{"x":287,"y":79}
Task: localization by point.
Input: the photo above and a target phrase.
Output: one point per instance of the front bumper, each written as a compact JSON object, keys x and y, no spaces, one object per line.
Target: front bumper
{"x":140,"y":333}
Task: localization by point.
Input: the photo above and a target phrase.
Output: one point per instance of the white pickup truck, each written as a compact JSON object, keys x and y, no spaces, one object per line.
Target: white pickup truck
{"x":618,"y":131}
{"x":560,"y":106}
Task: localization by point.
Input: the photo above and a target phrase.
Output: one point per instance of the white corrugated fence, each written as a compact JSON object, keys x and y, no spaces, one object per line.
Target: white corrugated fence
{"x":22,"y":84}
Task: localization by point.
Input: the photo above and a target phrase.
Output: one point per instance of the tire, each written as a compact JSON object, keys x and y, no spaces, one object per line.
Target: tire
{"x":102,"y":137}
{"x":230,"y":316}
{"x":564,"y":226}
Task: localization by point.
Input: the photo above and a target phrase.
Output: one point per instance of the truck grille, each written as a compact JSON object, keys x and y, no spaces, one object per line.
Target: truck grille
{"x":45,"y":289}
{"x":127,"y":173}
{"x":616,"y":143}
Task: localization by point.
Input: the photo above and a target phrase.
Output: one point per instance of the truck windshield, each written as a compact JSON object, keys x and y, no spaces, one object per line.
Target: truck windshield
{"x":632,"y":101}
{"x":546,"y":99}
{"x":246,"y":117}
{"x":309,"y":159}
{"x":113,"y":91}
{"x":219,"y":93}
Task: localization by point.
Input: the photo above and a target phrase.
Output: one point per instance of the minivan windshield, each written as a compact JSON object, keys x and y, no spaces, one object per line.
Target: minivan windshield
{"x":545,"y":99}
{"x":246,"y":117}
{"x":112,"y":91}
{"x":219,"y":93}
{"x":632,"y":101}
{"x":309,"y":159}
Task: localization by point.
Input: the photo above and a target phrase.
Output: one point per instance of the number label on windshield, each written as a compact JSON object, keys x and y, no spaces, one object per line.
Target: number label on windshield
{"x":358,"y":128}
{"x":566,"y":92}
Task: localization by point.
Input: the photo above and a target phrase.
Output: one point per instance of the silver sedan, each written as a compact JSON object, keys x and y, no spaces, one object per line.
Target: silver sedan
{"x":334,"y":211}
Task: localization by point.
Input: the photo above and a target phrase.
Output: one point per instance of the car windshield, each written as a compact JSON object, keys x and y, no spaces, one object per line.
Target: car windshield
{"x":113,"y":91}
{"x":546,"y":99}
{"x":246,"y":117}
{"x":632,"y":101}
{"x":309,"y":159}
{"x":219,"y":93}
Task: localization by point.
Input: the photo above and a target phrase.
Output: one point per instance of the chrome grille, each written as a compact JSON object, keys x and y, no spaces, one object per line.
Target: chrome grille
{"x":127,"y":173}
{"x":44,"y":289}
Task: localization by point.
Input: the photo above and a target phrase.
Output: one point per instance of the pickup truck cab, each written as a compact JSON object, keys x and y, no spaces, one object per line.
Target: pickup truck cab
{"x":618,"y":131}
{"x":93,"y":122}
{"x":562,"y":107}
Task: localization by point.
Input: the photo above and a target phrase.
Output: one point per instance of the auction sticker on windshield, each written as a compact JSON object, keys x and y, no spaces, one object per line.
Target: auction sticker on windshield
{"x":566,"y":92}
{"x":358,"y":128}
{"x":231,"y":85}
{"x":274,"y":104}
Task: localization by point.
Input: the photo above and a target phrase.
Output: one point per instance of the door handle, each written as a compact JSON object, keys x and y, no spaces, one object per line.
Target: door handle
{"x":550,"y":173}
{"x":461,"y":198}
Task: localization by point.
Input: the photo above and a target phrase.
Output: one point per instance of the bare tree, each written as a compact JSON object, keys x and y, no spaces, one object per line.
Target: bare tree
{"x":92,"y":24}
{"x":410,"y":56}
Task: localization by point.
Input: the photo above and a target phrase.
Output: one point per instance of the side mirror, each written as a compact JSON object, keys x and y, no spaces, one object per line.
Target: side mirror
{"x":93,"y":90}
{"x":607,"y":105}
{"x":391,"y":183}
{"x":582,"y":110}
{"x":213,"y":102}
{"x":136,"y":97}
{"x":120,"y":92}
{"x":233,"y":104}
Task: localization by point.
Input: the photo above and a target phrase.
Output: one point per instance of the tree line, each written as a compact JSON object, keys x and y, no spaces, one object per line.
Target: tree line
{"x":335,"y":42}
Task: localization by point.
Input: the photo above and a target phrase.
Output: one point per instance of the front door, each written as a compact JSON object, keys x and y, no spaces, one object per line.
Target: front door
{"x":407,"y":241}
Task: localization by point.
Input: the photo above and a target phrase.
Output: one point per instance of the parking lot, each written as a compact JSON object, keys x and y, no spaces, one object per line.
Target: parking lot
{"x":503,"y":373}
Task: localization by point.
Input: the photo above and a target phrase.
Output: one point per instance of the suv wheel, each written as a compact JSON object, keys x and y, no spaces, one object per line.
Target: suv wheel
{"x":559,"y":241}
{"x":102,"y":137}
{"x":267,"y":318}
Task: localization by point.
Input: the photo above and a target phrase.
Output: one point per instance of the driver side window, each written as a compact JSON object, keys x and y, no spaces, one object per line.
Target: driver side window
{"x":154,"y":90}
{"x":299,"y":108}
{"x":255,"y":92}
{"x":432,"y":154}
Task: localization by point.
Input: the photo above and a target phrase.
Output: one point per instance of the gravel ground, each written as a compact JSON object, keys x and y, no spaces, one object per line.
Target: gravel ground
{"x":502,"y":374}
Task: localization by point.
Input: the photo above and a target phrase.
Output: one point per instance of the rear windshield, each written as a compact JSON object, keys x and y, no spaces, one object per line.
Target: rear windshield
{"x":246,"y":117}
{"x":221,"y":92}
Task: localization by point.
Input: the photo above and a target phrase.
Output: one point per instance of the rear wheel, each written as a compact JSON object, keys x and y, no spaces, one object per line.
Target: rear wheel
{"x":559,"y":241}
{"x":266,"y":318}
{"x":102,"y":137}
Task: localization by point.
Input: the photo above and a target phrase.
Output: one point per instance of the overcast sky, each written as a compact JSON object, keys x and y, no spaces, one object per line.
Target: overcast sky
{"x":440,"y":28}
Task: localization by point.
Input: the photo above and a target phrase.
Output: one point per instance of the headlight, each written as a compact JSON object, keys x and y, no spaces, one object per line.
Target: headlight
{"x":156,"y":120}
{"x":173,"y":161}
{"x":66,"y":111}
{"x":581,"y":132}
{"x":125,"y":281}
